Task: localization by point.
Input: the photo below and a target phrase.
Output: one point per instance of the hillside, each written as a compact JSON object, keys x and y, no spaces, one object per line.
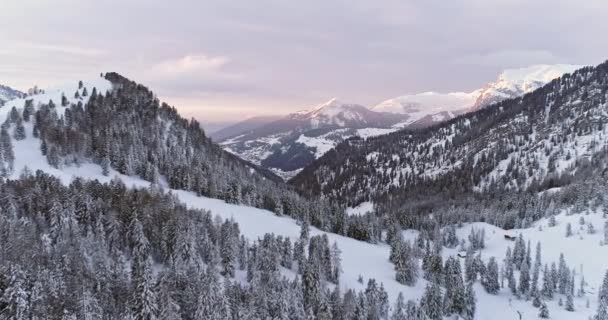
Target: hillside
{"x":548,"y":139}
{"x":290,"y":143}
{"x":124,"y":247}
{"x":7,"y":93}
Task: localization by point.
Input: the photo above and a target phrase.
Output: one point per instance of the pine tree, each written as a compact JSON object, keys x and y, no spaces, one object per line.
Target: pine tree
{"x":606,"y":232}
{"x":168,"y":307}
{"x":90,"y":307}
{"x":536,"y":300}
{"x":602,"y":306}
{"x":490,"y":277}
{"x":536,"y":269}
{"x":105,"y":166}
{"x":406,"y":265}
{"x":8,"y":155}
{"x":144,"y":295}
{"x":510,"y":274}
{"x":15,"y":298}
{"x":431,"y":302}
{"x":548,"y":285}
{"x":399,"y":309}
{"x":563,"y":275}
{"x":470,"y":303}
{"x":544,"y":311}
{"x":455,"y":297}
{"x":569,"y":302}
{"x":552,"y":221}
{"x":524,"y":279}
{"x":19,"y":133}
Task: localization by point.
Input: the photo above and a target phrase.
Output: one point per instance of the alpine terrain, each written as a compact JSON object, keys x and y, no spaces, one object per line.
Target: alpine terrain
{"x":113,"y":206}
{"x":287,"y":145}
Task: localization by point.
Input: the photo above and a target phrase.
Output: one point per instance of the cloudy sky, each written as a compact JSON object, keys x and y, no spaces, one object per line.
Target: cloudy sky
{"x":227,"y":60}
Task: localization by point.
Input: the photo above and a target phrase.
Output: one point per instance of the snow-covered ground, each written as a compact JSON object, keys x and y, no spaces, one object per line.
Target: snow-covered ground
{"x":361,"y":259}
{"x":510,"y":83}
{"x":362,"y":208}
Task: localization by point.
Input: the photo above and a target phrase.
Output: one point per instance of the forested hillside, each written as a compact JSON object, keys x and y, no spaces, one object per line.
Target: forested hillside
{"x":130,"y":130}
{"x":115,"y":224}
{"x":511,"y":159}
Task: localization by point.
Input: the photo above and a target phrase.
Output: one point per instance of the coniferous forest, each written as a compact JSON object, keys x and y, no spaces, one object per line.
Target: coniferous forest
{"x":107,"y":250}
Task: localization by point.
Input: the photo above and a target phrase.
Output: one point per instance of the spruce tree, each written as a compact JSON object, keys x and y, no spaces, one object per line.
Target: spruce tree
{"x":544,"y":311}
{"x":490,"y":277}
{"x":431,"y":302}
{"x":602,"y":305}
{"x":399,"y":309}
{"x":524,"y":279}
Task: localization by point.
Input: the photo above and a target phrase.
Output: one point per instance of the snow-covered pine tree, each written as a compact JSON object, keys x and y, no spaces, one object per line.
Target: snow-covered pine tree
{"x":490,"y":277}
{"x":602,"y":304}
{"x":524,"y":279}
{"x":431,"y":302}
{"x":544,"y":311}
{"x":548,"y":285}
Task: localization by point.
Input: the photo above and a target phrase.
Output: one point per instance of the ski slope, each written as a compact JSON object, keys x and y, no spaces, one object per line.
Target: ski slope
{"x":361,"y":259}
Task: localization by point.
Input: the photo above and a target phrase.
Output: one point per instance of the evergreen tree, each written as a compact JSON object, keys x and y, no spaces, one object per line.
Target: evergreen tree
{"x":490,"y":277}
{"x":470,"y":303}
{"x":524,"y":279}
{"x":544,"y":311}
{"x":19,"y":133}
{"x":14,"y":300}
{"x":399,"y":309}
{"x":602,"y":305}
{"x":569,"y":302}
{"x":548,"y":285}
{"x":606,"y":232}
{"x":455,"y":296}
{"x":431,"y":302}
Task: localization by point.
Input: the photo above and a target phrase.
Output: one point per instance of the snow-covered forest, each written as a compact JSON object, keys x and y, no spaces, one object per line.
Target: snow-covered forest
{"x":115,"y":207}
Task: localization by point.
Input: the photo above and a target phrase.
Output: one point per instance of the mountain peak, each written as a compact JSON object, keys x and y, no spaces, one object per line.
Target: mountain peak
{"x":516,"y":82}
{"x":510,"y":83}
{"x":331,"y":103}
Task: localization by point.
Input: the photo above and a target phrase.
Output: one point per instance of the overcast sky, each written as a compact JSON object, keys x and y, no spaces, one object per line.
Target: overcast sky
{"x":227,"y":60}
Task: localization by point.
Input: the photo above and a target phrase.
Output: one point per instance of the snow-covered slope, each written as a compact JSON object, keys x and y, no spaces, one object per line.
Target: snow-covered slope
{"x":361,"y":259}
{"x":7,"y":93}
{"x":334,"y":113}
{"x":516,"y":82}
{"x":287,"y":145}
{"x":418,"y":106}
{"x":510,"y":83}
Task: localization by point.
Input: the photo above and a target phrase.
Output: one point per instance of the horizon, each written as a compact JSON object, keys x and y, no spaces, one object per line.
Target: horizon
{"x":225,"y":62}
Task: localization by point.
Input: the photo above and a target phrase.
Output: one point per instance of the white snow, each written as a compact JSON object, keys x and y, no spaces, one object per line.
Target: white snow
{"x":371,"y":260}
{"x":361,"y":209}
{"x":101,"y":84}
{"x":374,"y":132}
{"x":427,"y":103}
{"x":510,"y":83}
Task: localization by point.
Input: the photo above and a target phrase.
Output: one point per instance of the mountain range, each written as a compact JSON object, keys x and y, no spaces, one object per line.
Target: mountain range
{"x":288,"y":144}
{"x":115,"y":206}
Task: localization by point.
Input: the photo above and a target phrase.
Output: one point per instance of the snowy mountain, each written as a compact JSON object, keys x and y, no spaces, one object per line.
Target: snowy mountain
{"x":242,"y":127}
{"x":291,"y":142}
{"x":516,"y":82}
{"x":543,"y":140}
{"x":287,"y":145}
{"x":426,"y":108}
{"x":104,"y":215}
{"x":7,"y":93}
{"x":343,"y":115}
